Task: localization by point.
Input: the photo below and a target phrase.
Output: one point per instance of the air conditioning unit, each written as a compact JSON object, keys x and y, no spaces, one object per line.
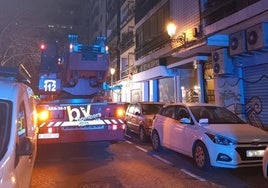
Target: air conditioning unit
{"x":257,"y":37}
{"x":222,"y":63}
{"x":237,"y":43}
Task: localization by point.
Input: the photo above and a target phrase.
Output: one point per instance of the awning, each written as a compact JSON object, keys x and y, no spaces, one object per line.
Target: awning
{"x":188,"y":60}
{"x":153,"y":73}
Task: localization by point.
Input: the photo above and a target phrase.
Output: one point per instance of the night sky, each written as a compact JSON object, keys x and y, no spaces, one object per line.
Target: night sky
{"x":41,"y":13}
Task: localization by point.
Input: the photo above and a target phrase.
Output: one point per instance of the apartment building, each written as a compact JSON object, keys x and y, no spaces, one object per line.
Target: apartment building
{"x":214,"y":51}
{"x":130,"y":90}
{"x":97,"y":19}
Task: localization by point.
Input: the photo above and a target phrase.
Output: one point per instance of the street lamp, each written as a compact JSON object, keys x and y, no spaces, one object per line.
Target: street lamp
{"x":112,"y":71}
{"x":171,"y":30}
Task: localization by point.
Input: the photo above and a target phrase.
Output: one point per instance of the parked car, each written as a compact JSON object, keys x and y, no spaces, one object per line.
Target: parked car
{"x":139,"y":116}
{"x":265,"y":163}
{"x":18,"y":139}
{"x":210,"y":134}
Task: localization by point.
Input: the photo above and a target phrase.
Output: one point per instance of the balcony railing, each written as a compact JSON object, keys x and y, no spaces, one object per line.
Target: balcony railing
{"x":127,"y":41}
{"x":154,"y":44}
{"x":128,"y":72}
{"x":215,"y":10}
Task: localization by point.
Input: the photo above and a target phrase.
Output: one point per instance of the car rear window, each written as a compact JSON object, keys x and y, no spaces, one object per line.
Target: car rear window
{"x":151,"y":109}
{"x":5,"y":125}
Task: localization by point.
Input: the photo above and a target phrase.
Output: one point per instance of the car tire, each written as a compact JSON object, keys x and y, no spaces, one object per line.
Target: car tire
{"x":127,"y":131}
{"x":142,"y":134}
{"x":201,"y":156}
{"x":156,"y":141}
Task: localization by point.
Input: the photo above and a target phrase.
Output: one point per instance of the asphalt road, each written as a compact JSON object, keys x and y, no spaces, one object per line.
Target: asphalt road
{"x":130,"y":164}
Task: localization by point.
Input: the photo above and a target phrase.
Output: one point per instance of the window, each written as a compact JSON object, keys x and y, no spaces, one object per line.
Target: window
{"x":169,"y":111}
{"x":131,"y":108}
{"x":151,"y":109}
{"x":216,"y":115}
{"x":21,"y":125}
{"x":5,"y":125}
{"x":182,"y":113}
{"x":137,"y":109}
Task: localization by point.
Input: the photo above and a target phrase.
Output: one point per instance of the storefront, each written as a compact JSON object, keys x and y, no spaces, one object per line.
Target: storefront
{"x":150,"y":75}
{"x":193,"y":80}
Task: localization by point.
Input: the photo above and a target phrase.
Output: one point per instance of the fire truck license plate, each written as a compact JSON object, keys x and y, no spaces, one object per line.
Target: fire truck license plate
{"x":48,"y":135}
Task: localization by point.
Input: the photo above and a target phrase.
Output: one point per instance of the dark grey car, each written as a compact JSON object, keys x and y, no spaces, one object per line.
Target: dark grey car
{"x":139,"y":117}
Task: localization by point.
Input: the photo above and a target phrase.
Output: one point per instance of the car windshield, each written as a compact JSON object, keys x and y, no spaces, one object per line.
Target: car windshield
{"x":5,"y":108}
{"x":151,"y":109}
{"x":215,"y":115}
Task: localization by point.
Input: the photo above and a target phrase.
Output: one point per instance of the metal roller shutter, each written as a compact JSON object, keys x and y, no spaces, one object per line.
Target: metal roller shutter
{"x":256,"y":95}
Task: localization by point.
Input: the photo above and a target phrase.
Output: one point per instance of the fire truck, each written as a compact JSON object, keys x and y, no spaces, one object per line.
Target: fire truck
{"x":73,"y":104}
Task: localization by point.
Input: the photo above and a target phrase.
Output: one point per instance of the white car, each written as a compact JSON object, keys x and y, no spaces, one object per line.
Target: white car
{"x":210,"y":134}
{"x":18,"y":139}
{"x":265,"y":163}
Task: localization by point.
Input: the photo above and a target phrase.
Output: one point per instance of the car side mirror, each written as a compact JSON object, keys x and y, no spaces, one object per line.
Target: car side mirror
{"x":185,"y":121}
{"x":137,"y":114}
{"x":203,"y":121}
{"x":25,"y":147}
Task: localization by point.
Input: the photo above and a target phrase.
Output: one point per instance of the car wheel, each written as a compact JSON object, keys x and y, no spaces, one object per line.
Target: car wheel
{"x":127,"y":131}
{"x":142,"y":134}
{"x":156,"y":141}
{"x":201,"y":156}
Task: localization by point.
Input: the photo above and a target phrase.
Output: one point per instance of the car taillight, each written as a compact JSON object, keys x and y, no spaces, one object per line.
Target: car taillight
{"x":43,"y":115}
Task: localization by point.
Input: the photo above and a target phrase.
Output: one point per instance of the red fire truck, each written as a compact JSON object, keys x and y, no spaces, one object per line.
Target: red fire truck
{"x":73,"y":105}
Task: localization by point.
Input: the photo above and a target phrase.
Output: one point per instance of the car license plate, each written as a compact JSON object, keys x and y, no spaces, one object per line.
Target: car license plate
{"x":255,"y":153}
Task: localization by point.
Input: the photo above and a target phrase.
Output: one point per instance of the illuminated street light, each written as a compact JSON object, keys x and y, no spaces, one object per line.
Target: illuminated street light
{"x":112,"y":71}
{"x":171,"y":30}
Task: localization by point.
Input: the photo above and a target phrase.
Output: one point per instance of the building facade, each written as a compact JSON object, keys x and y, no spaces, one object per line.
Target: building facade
{"x":97,"y":19}
{"x":217,"y":54}
{"x":130,"y":91}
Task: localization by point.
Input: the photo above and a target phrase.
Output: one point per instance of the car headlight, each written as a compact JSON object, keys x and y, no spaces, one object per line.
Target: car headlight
{"x":218,"y":139}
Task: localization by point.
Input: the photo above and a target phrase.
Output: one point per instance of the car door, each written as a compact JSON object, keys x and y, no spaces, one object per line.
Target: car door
{"x":130,"y":119}
{"x":179,"y":130}
{"x":137,"y":117}
{"x":166,"y":125}
{"x":188,"y":132}
{"x":23,"y":163}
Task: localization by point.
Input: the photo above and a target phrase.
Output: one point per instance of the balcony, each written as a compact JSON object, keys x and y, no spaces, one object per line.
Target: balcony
{"x":215,"y":10}
{"x":127,"y":41}
{"x":127,"y":14}
{"x":152,"y":45}
{"x":128,"y":72}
